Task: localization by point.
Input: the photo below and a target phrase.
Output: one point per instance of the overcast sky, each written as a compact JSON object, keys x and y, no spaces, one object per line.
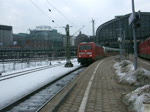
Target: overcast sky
{"x":23,"y":14}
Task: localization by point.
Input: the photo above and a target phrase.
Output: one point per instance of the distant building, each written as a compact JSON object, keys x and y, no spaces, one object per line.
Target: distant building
{"x":45,"y":33}
{"x":5,"y":36}
{"x":81,"y":38}
{"x":19,"y":40}
{"x":72,"y":41}
{"x":38,"y":43}
{"x":43,"y":27}
{"x":108,"y":33}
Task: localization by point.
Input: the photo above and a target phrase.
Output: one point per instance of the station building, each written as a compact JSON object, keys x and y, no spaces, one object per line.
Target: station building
{"x":5,"y":36}
{"x":81,"y":38}
{"x":45,"y":37}
{"x":108,"y":33}
{"x":19,"y":40}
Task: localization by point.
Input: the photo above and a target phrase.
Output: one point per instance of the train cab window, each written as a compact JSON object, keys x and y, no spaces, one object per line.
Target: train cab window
{"x":88,"y":47}
{"x":85,"y":47}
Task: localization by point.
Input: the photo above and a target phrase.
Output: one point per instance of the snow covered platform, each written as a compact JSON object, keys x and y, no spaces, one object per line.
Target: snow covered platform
{"x":96,"y":90}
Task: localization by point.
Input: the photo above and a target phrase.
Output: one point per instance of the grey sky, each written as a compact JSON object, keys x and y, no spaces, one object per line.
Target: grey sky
{"x":22,"y":14}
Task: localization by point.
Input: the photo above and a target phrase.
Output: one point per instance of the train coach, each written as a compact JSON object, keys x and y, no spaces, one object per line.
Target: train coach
{"x":110,"y":51}
{"x":89,"y":52}
{"x":144,"y":49}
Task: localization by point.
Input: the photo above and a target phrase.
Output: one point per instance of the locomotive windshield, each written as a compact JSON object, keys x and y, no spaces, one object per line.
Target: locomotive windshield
{"x":85,"y":47}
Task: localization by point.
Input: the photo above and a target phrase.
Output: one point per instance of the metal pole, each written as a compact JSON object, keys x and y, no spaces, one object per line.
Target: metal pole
{"x":124,"y":44}
{"x":135,"y":47}
{"x":68,"y":62}
{"x":120,"y":50}
{"x":134,"y":37}
{"x":120,"y":44}
{"x":133,"y":7}
{"x":93,"y":28}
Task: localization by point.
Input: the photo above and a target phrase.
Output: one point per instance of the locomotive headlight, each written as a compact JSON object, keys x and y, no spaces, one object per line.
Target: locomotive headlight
{"x":90,"y":55}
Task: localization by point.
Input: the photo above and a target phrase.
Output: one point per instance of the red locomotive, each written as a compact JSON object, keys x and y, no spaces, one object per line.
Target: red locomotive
{"x":144,"y":49}
{"x":89,"y":52}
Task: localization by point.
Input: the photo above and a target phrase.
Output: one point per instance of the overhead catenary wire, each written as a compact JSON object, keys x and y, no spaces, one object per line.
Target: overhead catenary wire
{"x":43,"y":11}
{"x":60,"y":12}
{"x":78,"y":31}
{"x":51,"y":12}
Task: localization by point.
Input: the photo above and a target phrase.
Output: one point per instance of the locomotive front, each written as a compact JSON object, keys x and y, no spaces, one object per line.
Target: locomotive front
{"x":85,"y":53}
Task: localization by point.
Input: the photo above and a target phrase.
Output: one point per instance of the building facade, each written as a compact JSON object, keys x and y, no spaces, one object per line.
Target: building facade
{"x":81,"y":38}
{"x":19,"y":40}
{"x":5,"y":36}
{"x":108,"y":33}
{"x":53,"y":39}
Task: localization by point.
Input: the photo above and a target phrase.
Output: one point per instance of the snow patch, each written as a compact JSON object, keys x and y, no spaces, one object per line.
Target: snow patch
{"x":126,"y":74}
{"x":136,"y":98}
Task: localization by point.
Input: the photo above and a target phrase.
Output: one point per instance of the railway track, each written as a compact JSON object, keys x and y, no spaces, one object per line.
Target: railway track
{"x":35,"y":100}
{"x":141,"y":62}
{"x":26,"y":72}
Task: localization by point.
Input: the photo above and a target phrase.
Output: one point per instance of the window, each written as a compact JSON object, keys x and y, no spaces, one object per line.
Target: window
{"x":85,"y":47}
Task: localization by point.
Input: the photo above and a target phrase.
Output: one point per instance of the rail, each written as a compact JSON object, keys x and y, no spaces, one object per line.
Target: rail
{"x":30,"y":98}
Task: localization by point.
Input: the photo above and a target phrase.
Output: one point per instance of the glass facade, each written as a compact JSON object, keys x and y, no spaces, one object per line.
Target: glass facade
{"x":108,"y":33}
{"x":5,"y":36}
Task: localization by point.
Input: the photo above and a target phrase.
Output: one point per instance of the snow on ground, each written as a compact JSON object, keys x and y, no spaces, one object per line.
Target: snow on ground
{"x":136,"y":98}
{"x":126,"y":74}
{"x":17,"y":87}
{"x":11,"y":67}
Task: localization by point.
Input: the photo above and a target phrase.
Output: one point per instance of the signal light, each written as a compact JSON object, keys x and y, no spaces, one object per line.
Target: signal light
{"x":137,"y":19}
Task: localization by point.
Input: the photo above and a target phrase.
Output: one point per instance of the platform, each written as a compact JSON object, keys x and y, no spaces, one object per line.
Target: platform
{"x":97,"y":91}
